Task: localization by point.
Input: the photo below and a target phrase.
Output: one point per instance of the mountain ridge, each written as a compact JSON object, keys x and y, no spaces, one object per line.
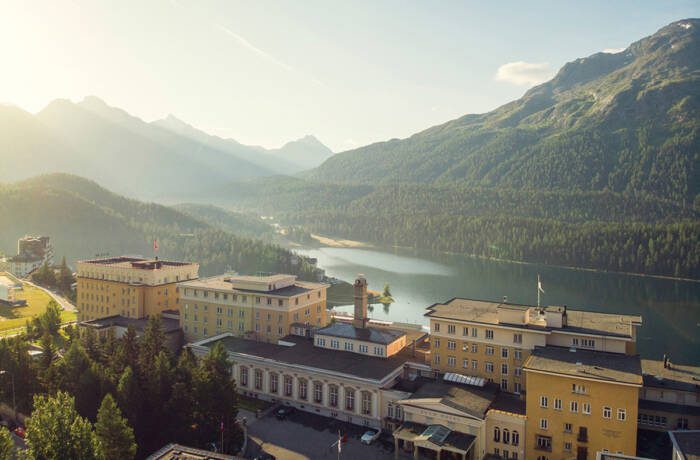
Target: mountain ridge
{"x":625,"y":121}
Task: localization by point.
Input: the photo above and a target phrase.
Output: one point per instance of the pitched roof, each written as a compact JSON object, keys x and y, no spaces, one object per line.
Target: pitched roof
{"x":366,"y":334}
{"x":472,"y":400}
{"x":304,"y":353}
{"x":580,"y":321}
{"x":675,"y":376}
{"x":598,"y":365}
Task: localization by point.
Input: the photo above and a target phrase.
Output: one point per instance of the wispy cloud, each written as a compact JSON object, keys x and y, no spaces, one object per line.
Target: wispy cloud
{"x":613,"y":50}
{"x":524,"y":73}
{"x":246,"y":44}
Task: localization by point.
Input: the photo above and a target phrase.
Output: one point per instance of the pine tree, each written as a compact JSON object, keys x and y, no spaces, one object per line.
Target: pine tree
{"x":56,"y":431}
{"x":7,"y":446}
{"x":113,"y":432}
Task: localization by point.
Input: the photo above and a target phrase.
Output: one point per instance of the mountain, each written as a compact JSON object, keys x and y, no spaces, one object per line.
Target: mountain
{"x":597,"y":168}
{"x":84,"y":219}
{"x":305,"y":153}
{"x":235,"y":222}
{"x":625,"y":122}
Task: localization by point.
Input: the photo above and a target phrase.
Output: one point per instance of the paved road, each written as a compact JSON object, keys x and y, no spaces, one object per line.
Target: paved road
{"x":305,"y":436}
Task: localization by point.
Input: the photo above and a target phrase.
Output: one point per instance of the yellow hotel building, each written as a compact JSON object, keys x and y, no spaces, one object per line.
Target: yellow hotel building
{"x":581,"y":402}
{"x":264,"y":308}
{"x":131,"y":287}
{"x":493,"y":340}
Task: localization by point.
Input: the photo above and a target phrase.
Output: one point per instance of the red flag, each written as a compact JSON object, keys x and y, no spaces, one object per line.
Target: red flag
{"x":155,"y":244}
{"x":221,"y":427}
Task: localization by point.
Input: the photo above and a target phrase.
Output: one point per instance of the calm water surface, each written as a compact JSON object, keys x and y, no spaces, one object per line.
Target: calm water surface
{"x":670,"y":309}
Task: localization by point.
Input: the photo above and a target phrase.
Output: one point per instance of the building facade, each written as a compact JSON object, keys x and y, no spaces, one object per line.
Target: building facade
{"x":493,"y":340}
{"x":670,"y":398}
{"x":580,"y":402}
{"x":32,"y":253}
{"x":264,"y":308}
{"x":132,"y":287}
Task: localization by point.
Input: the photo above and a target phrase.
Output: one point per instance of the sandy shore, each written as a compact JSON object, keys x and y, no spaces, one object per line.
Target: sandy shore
{"x":339,"y":243}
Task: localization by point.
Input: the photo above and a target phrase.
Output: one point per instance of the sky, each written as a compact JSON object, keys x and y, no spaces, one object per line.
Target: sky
{"x":267,"y":72}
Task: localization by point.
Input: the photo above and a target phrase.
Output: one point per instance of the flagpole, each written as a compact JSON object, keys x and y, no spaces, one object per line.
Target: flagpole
{"x":538,"y":290}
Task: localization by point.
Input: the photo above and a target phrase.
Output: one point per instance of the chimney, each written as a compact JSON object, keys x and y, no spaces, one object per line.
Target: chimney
{"x":360,"y":288}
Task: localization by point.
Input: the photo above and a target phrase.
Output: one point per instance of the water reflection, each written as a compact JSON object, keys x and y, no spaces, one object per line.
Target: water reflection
{"x":671,"y":309}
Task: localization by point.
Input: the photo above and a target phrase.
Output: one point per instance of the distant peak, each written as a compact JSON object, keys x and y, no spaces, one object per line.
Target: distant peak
{"x":93,"y":101}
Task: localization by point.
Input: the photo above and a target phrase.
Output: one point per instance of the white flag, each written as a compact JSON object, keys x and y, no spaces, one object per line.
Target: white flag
{"x":339,"y":441}
{"x":539,"y":285}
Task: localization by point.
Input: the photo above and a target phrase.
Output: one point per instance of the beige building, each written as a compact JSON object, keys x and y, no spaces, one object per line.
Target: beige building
{"x":580,"y":402}
{"x":492,"y":340}
{"x":132,"y":287}
{"x":32,"y":253}
{"x":670,"y":398}
{"x":264,"y":308}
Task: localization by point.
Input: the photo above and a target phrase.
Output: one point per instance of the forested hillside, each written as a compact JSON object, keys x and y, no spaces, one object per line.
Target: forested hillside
{"x":84,"y":219}
{"x":597,"y":168}
{"x":625,"y":122}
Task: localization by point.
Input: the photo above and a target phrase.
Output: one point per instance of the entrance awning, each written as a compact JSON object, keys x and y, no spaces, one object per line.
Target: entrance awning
{"x":435,"y":437}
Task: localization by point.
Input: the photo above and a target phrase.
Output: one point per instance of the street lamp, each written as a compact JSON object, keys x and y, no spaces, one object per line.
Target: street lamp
{"x":14,"y":400}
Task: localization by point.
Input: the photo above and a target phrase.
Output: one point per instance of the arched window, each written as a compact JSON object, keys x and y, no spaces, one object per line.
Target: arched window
{"x":515,"y":439}
{"x":497,"y":434}
{"x":506,"y":436}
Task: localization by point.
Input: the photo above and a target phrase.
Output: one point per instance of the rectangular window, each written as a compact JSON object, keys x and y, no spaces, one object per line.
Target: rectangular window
{"x":474,"y":332}
{"x":475,"y":364}
{"x":363,"y":348}
{"x":557,"y":404}
{"x":244,"y":376}
{"x":504,"y":353}
{"x":450,"y":328}
{"x":288,"y":382}
{"x":451,"y":361}
{"x":436,"y":327}
{"x":573,"y":406}
{"x":607,"y":412}
{"x":303,"y":389}
{"x":544,"y":424}
{"x":465,"y":331}
{"x":436,"y":343}
{"x":465,"y":363}
{"x":274,"y":383}
{"x":489,"y":351}
{"x":366,"y":403}
{"x":544,"y":401}
{"x":258,"y":379}
{"x":622,"y":415}
{"x":451,"y":345}
{"x":504,"y":384}
{"x":568,"y":427}
{"x":489,"y":367}
{"x":504,"y":369}
{"x":586,"y":408}
{"x":318,"y":392}
{"x":335,"y":344}
{"x":489,"y":334}
{"x":518,"y":371}
{"x":475,"y":348}
{"x":517,"y":338}
{"x":517,"y":387}
{"x":333,"y":396}
{"x":567,"y":446}
{"x":348,"y":346}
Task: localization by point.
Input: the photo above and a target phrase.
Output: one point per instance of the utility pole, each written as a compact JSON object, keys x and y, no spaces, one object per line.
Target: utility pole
{"x":14,"y":400}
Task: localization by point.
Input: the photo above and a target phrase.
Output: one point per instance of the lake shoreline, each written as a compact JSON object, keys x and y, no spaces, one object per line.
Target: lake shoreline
{"x":335,"y":242}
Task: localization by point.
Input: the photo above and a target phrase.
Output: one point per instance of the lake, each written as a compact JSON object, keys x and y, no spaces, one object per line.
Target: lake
{"x":670,"y":308}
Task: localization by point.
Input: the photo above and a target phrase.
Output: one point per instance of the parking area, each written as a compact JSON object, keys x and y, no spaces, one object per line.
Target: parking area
{"x":303,"y":435}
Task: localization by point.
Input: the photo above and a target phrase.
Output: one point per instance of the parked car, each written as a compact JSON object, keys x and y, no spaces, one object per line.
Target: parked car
{"x":19,"y":431}
{"x":369,"y":437}
{"x":283,"y":412}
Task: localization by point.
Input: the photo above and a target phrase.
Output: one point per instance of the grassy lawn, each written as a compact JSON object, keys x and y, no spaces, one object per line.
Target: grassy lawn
{"x":37,"y":300}
{"x":252,"y":404}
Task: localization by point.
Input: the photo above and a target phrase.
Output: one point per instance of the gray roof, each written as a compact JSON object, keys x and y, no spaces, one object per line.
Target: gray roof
{"x":473,"y":400}
{"x":179,"y":452}
{"x":366,"y":334}
{"x":454,"y":439}
{"x":304,"y":353}
{"x":687,"y":442}
{"x":508,"y":402}
{"x":579,"y":321}
{"x":599,"y":365}
{"x":169,"y":324}
{"x":676,"y":376}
